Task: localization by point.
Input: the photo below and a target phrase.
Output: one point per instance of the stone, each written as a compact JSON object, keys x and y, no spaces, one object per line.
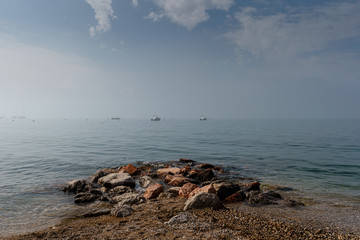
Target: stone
{"x":129,"y":199}
{"x":208,"y":189}
{"x":206,"y":175}
{"x":186,"y":189}
{"x":194,"y":174}
{"x":174,"y":190}
{"x":121,"y":210}
{"x":185,"y":171}
{"x":86,"y":197}
{"x":183,"y":217}
{"x":101,"y":173}
{"x":117,"y":179}
{"x":153,"y":191}
{"x":184,"y":160}
{"x":204,"y":165}
{"x":236,"y":197}
{"x":146,"y":181}
{"x":177,"y":180}
{"x":131,"y":169}
{"x":119,"y":190}
{"x":203,"y":200}
{"x":263,"y":198}
{"x":225,"y":189}
{"x":75,"y":186}
{"x":169,"y":170}
{"x":254,"y":186}
{"x":167,"y":195}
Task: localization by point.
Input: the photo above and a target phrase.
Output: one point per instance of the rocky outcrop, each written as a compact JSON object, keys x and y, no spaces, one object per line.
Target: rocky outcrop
{"x":153,"y":191}
{"x":203,"y":200}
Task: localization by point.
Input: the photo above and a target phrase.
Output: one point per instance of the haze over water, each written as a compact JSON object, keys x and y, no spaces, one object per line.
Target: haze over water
{"x":318,"y":159}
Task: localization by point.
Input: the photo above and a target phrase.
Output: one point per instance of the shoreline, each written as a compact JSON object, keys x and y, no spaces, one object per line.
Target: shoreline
{"x":241,"y":220}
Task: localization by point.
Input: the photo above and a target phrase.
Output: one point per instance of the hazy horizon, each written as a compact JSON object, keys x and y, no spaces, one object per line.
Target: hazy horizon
{"x":223,"y":59}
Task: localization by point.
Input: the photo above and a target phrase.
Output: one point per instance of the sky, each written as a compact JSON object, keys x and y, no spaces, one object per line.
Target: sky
{"x":180,"y":59}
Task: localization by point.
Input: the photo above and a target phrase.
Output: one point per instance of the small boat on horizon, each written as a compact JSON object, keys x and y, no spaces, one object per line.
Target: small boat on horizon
{"x":115,"y":118}
{"x":203,"y":119}
{"x":155,"y":118}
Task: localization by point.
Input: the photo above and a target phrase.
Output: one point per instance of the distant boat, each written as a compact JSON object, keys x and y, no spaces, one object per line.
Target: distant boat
{"x":155,"y":118}
{"x":115,"y":118}
{"x":203,"y":119}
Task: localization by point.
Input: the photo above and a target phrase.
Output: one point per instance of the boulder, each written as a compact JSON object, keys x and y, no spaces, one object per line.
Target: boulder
{"x":186,"y":189}
{"x":165,"y":171}
{"x":203,"y":200}
{"x":236,"y":197}
{"x":225,"y":189}
{"x":121,"y":210}
{"x":208,"y":189}
{"x":117,"y":179}
{"x":75,"y":186}
{"x":174,"y":190}
{"x":263,"y":198}
{"x":119,"y":190}
{"x":146,"y":181}
{"x":153,"y":191}
{"x":254,"y":186}
{"x":129,"y":199}
{"x":206,"y":175}
{"x":131,"y":169}
{"x":101,"y":173}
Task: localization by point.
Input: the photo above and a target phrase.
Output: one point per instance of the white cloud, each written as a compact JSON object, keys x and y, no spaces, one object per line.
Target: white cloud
{"x":135,"y":3}
{"x":103,"y":13}
{"x":290,"y":35}
{"x":188,"y":13}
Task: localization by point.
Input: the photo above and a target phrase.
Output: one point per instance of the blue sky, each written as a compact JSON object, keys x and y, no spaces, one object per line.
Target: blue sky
{"x":180,"y":58}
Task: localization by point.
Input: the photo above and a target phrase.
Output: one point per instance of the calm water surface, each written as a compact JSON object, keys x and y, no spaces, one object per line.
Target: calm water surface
{"x":317,"y":158}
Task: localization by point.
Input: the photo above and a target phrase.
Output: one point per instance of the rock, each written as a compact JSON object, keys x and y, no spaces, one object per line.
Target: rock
{"x":203,"y":200}
{"x":174,"y":190}
{"x":225,"y":189}
{"x":119,"y":190}
{"x":131,"y":169}
{"x":206,"y":175}
{"x":177,"y":180}
{"x":264,"y":198}
{"x":75,"y":186}
{"x":129,"y":199}
{"x":86,"y":197}
{"x":183,"y":217}
{"x":194,"y":174}
{"x":204,"y":165}
{"x":117,"y":179}
{"x":101,"y":173}
{"x":236,"y":197}
{"x":167,"y":195}
{"x":146,"y":181}
{"x":254,"y":186}
{"x":186,"y":189}
{"x":121,"y":210}
{"x":185,"y":171}
{"x":153,"y":191}
{"x":169,"y":170}
{"x":184,"y":160}
{"x":208,"y":189}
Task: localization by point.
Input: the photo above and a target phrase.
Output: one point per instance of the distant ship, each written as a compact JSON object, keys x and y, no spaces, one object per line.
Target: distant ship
{"x":115,"y":118}
{"x":155,"y":118}
{"x":203,"y":119}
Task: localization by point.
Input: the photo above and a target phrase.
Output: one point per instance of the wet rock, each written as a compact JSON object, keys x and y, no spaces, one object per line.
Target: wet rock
{"x":119,"y":190}
{"x":129,"y":199}
{"x":75,"y":186}
{"x":146,"y":181}
{"x":131,"y":169}
{"x":177,"y":180}
{"x":86,"y":197}
{"x":186,"y":189}
{"x":165,"y":171}
{"x":194,"y":174}
{"x":204,"y":165}
{"x":203,"y":200}
{"x":117,"y":179}
{"x":263,"y":198}
{"x":153,"y":191}
{"x":225,"y":189}
{"x":121,"y":210}
{"x":185,"y":171}
{"x":183,"y":217}
{"x":254,"y":186}
{"x":174,"y":190}
{"x":236,"y":197}
{"x":101,"y":173}
{"x":206,"y":175}
{"x":184,"y":160}
{"x":208,"y":189}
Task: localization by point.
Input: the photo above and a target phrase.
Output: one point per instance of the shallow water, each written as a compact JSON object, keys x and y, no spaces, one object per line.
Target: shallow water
{"x":319,"y":159}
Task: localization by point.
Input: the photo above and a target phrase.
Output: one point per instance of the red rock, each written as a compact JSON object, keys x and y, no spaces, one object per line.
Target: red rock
{"x":254,"y":186}
{"x":185,"y":171}
{"x":208,"y":189}
{"x":204,"y":165}
{"x":236,"y":197}
{"x":153,"y":191}
{"x":131,"y":169}
{"x":176,"y":180}
{"x":186,"y":189}
{"x":165,"y":171}
{"x":194,"y":173}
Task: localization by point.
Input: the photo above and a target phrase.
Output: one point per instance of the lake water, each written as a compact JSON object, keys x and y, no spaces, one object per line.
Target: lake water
{"x":319,"y":159}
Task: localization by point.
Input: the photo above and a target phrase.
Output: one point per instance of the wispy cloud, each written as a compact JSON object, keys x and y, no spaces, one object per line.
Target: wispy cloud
{"x":187,"y":13}
{"x":135,"y":3}
{"x":103,"y":13}
{"x":290,"y":35}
